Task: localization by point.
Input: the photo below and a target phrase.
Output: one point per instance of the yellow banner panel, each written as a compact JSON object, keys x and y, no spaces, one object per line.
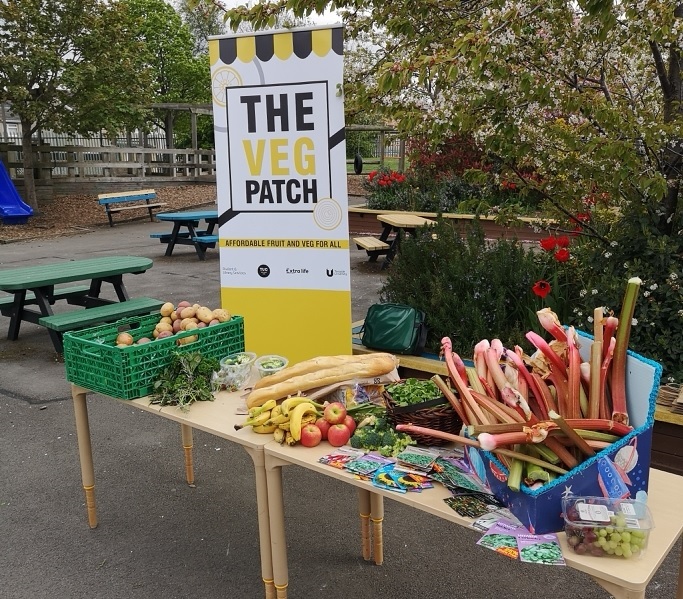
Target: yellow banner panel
{"x":246,"y":48}
{"x":294,"y":323}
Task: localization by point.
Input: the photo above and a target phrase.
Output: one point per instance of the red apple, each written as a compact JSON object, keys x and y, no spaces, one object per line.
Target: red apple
{"x":311,"y":435}
{"x":324,"y":426}
{"x":338,"y":435}
{"x":350,"y":423}
{"x":335,"y":412}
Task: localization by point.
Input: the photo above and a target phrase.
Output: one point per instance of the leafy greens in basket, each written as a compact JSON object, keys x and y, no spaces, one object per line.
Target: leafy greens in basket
{"x":413,"y":391}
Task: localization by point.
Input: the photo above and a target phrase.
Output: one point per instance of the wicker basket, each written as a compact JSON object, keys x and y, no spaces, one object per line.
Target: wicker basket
{"x":437,"y":414}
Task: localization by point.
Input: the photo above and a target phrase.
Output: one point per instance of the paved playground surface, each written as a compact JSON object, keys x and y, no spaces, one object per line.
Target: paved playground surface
{"x":160,"y":539}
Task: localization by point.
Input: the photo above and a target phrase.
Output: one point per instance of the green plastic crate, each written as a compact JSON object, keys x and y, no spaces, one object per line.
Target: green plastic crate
{"x":94,"y":362}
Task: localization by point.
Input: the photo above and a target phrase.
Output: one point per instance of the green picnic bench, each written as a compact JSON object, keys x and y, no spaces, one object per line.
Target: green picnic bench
{"x":80,"y":319}
{"x":73,"y":295}
{"x":111,"y":202}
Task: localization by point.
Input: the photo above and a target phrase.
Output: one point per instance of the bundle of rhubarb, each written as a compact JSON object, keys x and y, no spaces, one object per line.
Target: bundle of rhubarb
{"x":543,"y":414}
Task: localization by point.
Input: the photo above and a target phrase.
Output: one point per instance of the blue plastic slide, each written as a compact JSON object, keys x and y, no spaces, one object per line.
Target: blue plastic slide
{"x":13,"y":210}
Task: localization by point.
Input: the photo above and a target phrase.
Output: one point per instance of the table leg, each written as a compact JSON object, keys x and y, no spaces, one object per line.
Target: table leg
{"x":85,"y":451}
{"x":620,"y":592}
{"x":199,"y":248}
{"x":393,"y":246}
{"x":43,"y":302}
{"x":174,"y":238}
{"x":186,"y":433}
{"x":278,"y":542}
{"x":679,"y":591}
{"x":263,"y":502}
{"x":376,"y":517}
{"x":15,"y":317}
{"x":364,"y":511}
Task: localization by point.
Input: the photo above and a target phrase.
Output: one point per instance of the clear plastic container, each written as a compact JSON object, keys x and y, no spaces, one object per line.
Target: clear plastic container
{"x":270,"y":364}
{"x":605,"y":527}
{"x":235,"y":371}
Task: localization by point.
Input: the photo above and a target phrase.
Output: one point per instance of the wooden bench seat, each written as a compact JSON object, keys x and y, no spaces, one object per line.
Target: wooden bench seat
{"x":110,"y":202}
{"x":80,"y":319}
{"x":67,"y":293}
{"x":208,"y":239}
{"x":370,"y":244}
{"x":166,"y":237}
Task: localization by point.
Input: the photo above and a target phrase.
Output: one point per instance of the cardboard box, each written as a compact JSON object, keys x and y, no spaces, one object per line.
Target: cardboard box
{"x":620,"y":470}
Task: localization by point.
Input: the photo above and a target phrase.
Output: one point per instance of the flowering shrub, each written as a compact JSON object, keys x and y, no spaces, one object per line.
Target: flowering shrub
{"x":388,"y":190}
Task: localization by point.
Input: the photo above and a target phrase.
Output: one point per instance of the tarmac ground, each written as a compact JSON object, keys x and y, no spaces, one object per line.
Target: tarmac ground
{"x":157,"y":537}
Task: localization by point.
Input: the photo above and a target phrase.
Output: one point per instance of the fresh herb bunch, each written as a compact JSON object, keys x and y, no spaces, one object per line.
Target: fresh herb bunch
{"x":414,"y":391}
{"x":186,"y":379}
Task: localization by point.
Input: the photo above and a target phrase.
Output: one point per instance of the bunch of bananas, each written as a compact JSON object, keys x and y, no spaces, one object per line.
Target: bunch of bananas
{"x":283,"y":420}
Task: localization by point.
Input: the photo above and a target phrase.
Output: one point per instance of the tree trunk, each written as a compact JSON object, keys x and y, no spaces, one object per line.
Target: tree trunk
{"x":29,"y":179}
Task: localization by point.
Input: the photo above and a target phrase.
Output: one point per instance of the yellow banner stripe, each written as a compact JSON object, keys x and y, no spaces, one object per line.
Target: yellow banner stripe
{"x":287,"y":244}
{"x":214,"y":53}
{"x":321,"y":41}
{"x":282,"y":44}
{"x":246,"y":48}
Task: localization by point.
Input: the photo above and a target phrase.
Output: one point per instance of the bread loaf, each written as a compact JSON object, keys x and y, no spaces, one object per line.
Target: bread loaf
{"x":372,"y":365}
{"x":313,"y":365}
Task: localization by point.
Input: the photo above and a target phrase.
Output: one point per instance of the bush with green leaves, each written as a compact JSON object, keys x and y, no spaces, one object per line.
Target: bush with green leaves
{"x":470,"y":288}
{"x":603,"y":269}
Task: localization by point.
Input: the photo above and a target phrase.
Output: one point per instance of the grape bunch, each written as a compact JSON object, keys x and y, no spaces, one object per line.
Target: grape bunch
{"x":615,"y":538}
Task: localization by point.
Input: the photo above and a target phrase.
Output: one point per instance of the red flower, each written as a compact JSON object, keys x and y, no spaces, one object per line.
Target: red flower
{"x":548,"y":243}
{"x":562,"y":255}
{"x":372,"y":175}
{"x":541,"y":288}
{"x":583,"y":217}
{"x":562,"y":241}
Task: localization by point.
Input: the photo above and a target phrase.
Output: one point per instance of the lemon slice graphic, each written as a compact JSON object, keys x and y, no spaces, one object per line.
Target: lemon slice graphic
{"x":327,"y":214}
{"x":222,"y":78}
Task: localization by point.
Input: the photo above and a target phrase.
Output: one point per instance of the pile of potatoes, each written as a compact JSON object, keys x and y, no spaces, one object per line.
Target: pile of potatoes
{"x":183,"y":317}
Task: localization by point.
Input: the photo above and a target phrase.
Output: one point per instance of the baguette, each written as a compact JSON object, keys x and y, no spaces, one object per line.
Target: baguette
{"x":313,"y":365}
{"x":377,"y":365}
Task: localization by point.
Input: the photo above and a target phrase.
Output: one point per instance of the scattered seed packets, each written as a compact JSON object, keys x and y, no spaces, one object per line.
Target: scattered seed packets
{"x":340,"y":456}
{"x":449,"y":473}
{"x":540,"y":549}
{"x":367,"y":464}
{"x":502,"y":538}
{"x":386,"y":478}
{"x":420,"y":458}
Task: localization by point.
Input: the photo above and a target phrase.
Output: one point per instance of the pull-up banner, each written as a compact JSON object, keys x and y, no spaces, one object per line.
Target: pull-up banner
{"x":281,"y":184}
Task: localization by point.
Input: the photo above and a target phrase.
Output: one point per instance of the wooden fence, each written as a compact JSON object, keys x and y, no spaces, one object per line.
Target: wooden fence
{"x":61,"y":170}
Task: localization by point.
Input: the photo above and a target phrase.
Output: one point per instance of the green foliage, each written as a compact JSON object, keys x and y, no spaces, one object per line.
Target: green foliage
{"x":601,"y":275}
{"x":470,"y":288}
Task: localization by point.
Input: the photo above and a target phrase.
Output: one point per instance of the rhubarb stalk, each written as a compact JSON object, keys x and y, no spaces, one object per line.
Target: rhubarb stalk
{"x":574,"y":377}
{"x":618,"y":376}
{"x":571,"y":434}
{"x":551,"y":323}
{"x":450,"y":396}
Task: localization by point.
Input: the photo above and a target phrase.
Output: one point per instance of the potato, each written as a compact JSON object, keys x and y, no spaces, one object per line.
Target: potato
{"x":166,"y":309}
{"x":186,"y":340}
{"x":188,"y":312}
{"x":174,"y":316}
{"x":204,"y":314}
{"x":183,"y":304}
{"x":164,"y":334}
{"x":164,"y":326}
{"x":142,"y":340}
{"x":176,"y":325}
{"x":166,"y":320}
{"x":191,"y":325}
{"x":124,"y":339}
{"x":214,"y":321}
{"x":185,"y":321}
{"x":221,"y":315}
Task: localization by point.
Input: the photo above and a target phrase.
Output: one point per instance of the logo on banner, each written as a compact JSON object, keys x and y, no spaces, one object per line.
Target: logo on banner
{"x":263,"y":270}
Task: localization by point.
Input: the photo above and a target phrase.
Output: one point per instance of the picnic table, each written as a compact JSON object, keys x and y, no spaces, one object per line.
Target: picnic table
{"x":34,"y":290}
{"x":400,"y":224}
{"x":185,"y":231}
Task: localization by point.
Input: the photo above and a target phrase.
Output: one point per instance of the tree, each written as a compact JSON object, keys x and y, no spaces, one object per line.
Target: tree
{"x":178,"y":76}
{"x":69,"y":66}
{"x":203,"y":21}
{"x":578,"y":101}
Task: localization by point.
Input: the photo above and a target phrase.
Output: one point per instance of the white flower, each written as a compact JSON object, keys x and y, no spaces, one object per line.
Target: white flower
{"x":646,"y":293}
{"x":653,"y":286}
{"x":671,"y":380}
{"x":680,"y":312}
{"x":634,"y":322}
{"x":594,"y":291}
{"x":590,"y":319}
{"x":625,"y":264}
{"x":608,"y":254}
{"x":673,"y":276}
{"x":583,"y":293}
{"x":614,"y":244}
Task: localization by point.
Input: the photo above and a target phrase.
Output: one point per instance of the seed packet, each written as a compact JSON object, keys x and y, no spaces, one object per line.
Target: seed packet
{"x":540,"y":549}
{"x":420,"y":458}
{"x":340,"y":456}
{"x":502,"y":538}
{"x":367,"y":464}
{"x":448,"y":473}
{"x":412,"y":481}
{"x":472,"y":504}
{"x":385,"y":478}
{"x":485,"y":522}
